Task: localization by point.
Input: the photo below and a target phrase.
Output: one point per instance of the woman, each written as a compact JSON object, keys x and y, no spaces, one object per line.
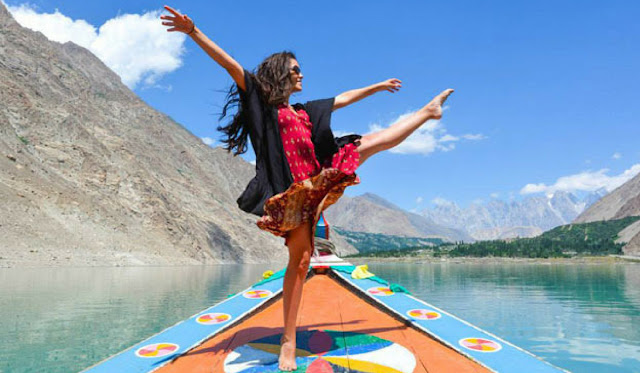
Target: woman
{"x":301,"y":169}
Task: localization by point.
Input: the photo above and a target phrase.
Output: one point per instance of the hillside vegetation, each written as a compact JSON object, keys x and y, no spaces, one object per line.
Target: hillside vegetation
{"x":367,"y":243}
{"x":593,"y":239}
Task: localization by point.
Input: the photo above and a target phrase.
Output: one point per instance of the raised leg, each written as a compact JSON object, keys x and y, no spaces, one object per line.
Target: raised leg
{"x":299,"y":245}
{"x":389,"y":137}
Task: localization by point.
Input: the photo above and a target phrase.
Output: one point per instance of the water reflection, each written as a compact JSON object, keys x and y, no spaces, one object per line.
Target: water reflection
{"x":66,"y":319}
{"x":573,"y":315}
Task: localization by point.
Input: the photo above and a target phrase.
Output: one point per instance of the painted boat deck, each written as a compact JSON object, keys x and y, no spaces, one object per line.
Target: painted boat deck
{"x":326,"y":306}
{"x":349,"y":321}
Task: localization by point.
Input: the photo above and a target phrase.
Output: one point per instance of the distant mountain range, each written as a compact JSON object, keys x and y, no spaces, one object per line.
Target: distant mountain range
{"x":495,"y":219}
{"x":498,"y":219}
{"x":370,"y":213}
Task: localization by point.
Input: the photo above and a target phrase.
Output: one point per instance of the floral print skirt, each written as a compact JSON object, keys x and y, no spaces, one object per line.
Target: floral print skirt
{"x":304,"y":200}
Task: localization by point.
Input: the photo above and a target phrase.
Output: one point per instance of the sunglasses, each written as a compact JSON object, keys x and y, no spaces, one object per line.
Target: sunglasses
{"x":296,"y":69}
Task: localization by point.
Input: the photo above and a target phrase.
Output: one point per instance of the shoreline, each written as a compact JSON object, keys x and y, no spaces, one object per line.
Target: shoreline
{"x":499,"y":260}
{"x":355,"y":260}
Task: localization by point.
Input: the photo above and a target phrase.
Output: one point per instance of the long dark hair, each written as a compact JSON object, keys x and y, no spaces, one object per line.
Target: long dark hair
{"x":273,"y":84}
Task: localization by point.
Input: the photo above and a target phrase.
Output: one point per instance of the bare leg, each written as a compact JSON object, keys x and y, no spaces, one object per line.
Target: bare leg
{"x":299,"y":259}
{"x":299,"y":241}
{"x":389,"y":137}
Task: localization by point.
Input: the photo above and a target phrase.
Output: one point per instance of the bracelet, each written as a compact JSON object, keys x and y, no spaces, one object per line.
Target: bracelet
{"x":194,"y":27}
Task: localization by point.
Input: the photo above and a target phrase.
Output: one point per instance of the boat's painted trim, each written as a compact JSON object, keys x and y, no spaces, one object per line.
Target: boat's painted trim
{"x":440,"y":325}
{"x":188,"y":333}
{"x":500,"y":356}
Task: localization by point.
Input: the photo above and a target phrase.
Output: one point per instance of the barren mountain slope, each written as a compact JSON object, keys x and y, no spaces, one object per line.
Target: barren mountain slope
{"x":622,"y":202}
{"x":91,"y":175}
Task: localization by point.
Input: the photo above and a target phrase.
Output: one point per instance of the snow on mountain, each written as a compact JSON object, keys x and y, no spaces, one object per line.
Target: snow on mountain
{"x":498,"y":219}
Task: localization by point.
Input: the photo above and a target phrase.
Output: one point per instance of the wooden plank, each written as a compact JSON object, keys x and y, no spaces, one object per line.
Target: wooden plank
{"x":327,"y":317}
{"x":361,"y":317}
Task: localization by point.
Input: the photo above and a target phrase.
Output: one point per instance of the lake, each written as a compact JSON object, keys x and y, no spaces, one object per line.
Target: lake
{"x":579,"y":316}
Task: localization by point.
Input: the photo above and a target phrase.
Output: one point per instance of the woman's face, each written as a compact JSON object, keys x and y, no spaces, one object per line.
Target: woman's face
{"x":296,"y":77}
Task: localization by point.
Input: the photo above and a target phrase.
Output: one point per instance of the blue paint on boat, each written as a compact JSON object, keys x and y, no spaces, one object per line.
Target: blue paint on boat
{"x":189,"y":333}
{"x":498,"y":355}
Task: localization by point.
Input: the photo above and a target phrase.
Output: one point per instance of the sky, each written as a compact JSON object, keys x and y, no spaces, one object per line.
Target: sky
{"x":545,"y":94}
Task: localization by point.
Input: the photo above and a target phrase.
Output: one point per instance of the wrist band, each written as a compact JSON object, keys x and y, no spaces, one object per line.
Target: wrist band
{"x":194,"y":27}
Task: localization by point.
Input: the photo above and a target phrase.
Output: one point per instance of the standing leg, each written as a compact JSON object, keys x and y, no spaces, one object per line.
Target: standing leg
{"x":389,"y":137}
{"x":299,"y":259}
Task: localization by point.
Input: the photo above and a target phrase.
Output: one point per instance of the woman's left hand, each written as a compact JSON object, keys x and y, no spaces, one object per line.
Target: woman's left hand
{"x":391,"y":85}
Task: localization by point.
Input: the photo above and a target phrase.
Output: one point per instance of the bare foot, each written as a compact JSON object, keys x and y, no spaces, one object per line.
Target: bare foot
{"x":434,"y":108}
{"x":287,"y":359}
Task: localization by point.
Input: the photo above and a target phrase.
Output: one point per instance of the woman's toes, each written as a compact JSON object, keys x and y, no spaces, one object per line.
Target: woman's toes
{"x":442,"y":97}
{"x":434,"y":108}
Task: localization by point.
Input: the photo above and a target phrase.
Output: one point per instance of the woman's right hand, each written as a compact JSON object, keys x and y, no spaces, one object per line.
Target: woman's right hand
{"x":180,"y":22}
{"x":184,"y":24}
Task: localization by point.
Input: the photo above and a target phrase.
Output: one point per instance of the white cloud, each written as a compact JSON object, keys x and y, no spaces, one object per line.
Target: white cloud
{"x":137,"y":47}
{"x":419,"y":200}
{"x":208,"y":140}
{"x":471,"y":136}
{"x":438,"y":201}
{"x":253,"y":162}
{"x":533,"y":188}
{"x":55,"y":26}
{"x":616,"y":155}
{"x":587,"y":181}
{"x":448,"y":137}
{"x":495,"y":195}
{"x":428,"y":138}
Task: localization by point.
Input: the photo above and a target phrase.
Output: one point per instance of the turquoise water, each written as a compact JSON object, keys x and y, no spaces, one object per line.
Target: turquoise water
{"x":582,"y":317}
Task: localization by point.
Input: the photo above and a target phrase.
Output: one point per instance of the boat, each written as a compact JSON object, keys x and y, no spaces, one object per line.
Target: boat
{"x":349,"y":321}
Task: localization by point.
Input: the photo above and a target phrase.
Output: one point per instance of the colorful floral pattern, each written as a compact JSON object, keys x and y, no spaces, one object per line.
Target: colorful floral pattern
{"x":381,"y":291}
{"x":213,"y":318}
{"x":157,"y":350}
{"x":323,"y":351}
{"x":480,"y":344}
{"x":257,"y":294}
{"x":423,"y":314}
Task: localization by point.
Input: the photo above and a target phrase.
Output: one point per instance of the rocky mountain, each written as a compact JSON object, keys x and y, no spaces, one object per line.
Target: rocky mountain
{"x":622,"y":202}
{"x":498,"y":219}
{"x":92,"y":175}
{"x":373,"y":214}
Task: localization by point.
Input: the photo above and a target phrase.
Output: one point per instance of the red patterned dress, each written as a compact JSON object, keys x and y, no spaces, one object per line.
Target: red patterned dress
{"x":315,"y":187}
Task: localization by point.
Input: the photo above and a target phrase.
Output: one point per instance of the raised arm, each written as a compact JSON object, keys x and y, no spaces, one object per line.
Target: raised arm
{"x":354,"y":95}
{"x":182,"y":23}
